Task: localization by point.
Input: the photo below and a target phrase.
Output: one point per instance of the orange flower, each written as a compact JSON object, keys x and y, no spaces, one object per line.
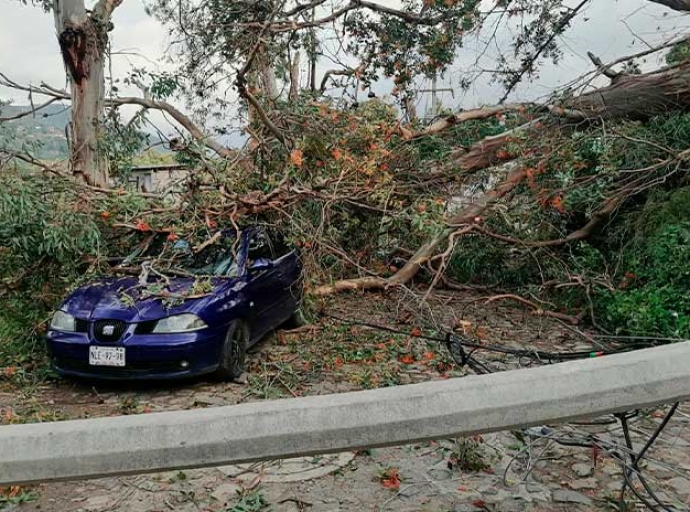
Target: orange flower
{"x":172,"y":237}
{"x":428,"y":356}
{"x":105,"y":215}
{"x":391,"y":479}
{"x":296,"y":157}
{"x":391,"y":483}
{"x":142,"y":226}
{"x":337,"y":154}
{"x":407,"y":359}
{"x":557,"y":203}
{"x":416,"y":332}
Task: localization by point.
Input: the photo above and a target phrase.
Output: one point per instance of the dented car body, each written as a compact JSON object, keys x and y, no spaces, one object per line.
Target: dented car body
{"x":110,"y":329}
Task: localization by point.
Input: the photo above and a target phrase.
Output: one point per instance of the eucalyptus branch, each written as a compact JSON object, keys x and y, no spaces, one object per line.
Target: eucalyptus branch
{"x":529,"y":62}
{"x":29,"y":112}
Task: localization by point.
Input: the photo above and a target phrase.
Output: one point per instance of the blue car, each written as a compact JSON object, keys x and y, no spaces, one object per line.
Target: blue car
{"x":223,"y":299}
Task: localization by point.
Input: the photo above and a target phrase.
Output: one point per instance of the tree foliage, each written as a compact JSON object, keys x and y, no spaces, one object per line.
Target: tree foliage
{"x":571,"y":211}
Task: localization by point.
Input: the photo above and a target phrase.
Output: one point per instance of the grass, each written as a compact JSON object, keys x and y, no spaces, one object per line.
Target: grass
{"x":16,"y":495}
{"x":250,"y":501}
{"x":345,"y":356}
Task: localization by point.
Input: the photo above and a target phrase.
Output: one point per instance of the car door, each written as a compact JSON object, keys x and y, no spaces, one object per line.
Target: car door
{"x":264,"y":280}
{"x":290,"y":275}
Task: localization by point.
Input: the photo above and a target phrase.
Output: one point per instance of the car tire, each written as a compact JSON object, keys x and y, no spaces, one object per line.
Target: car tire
{"x":296,"y":320}
{"x":234,"y":352}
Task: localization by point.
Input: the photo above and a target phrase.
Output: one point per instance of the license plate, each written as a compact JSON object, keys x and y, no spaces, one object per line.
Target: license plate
{"x":106,"y":356}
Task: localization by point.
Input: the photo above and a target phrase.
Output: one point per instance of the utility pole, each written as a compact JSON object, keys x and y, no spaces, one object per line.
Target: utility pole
{"x":312,"y":68}
{"x":435,"y":103}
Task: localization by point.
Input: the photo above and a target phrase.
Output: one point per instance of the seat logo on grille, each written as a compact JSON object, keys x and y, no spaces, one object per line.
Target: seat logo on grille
{"x":108,"y":330}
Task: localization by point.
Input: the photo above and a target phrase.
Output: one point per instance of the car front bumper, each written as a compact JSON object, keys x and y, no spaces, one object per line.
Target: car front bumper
{"x":147,"y":356}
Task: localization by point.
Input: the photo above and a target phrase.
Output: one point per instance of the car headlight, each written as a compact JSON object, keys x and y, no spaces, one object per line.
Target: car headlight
{"x":63,"y":322}
{"x":179,"y":323}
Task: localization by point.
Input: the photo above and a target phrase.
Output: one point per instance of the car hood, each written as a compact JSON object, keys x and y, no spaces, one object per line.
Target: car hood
{"x":105,"y":300}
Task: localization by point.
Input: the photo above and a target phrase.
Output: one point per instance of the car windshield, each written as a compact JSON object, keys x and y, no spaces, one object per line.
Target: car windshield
{"x":217,"y":259}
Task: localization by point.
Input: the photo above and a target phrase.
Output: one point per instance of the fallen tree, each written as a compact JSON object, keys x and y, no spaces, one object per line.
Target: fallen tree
{"x":371,"y":201}
{"x":636,"y":97}
{"x":427,"y":250}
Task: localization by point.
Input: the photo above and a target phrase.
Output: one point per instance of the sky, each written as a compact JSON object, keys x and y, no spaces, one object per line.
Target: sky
{"x":609,"y":28}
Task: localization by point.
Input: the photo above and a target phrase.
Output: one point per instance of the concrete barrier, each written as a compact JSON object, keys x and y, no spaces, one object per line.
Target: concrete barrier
{"x":332,"y":423}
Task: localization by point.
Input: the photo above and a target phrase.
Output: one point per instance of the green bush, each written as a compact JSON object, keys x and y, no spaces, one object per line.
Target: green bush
{"x":653,"y":297}
{"x":44,"y":238}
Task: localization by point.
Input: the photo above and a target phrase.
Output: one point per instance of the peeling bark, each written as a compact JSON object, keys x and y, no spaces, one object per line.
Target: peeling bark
{"x":638,"y":96}
{"x":294,"y":77}
{"x":461,"y":117}
{"x":83,"y":38}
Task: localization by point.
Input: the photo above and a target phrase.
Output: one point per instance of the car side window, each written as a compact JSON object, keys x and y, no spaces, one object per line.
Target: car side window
{"x":280,"y":246}
{"x":260,"y":247}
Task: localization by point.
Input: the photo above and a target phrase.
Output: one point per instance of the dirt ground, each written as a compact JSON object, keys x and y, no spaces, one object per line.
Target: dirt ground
{"x":537,"y":470}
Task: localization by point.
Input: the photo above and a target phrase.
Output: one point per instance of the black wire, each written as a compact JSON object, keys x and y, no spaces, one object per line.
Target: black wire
{"x":456,"y":345}
{"x":651,"y":506}
{"x":635,"y":460}
{"x":538,"y":355}
{"x":645,"y":340}
{"x":657,"y":432}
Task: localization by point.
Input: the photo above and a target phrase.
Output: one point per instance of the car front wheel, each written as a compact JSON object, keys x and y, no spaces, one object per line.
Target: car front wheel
{"x":233,"y":355}
{"x":296,"y":320}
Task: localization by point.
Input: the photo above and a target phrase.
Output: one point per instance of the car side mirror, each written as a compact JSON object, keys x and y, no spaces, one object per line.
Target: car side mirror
{"x":261,"y":264}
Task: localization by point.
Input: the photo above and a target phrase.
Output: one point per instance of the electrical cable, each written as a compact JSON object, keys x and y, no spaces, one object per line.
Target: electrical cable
{"x":635,"y":460}
{"x":456,"y":345}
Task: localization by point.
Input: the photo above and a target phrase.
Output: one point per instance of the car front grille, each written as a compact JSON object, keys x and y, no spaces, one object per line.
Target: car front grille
{"x":108,"y":331}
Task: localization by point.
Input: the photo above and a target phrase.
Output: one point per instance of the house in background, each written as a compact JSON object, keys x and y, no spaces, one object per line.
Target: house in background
{"x":157,"y":178}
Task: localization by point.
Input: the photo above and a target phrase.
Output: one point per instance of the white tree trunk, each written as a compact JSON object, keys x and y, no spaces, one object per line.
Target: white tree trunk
{"x":294,"y":77}
{"x":83,"y":38}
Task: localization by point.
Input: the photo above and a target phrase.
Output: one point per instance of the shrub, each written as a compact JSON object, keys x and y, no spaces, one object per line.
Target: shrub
{"x":653,"y":297}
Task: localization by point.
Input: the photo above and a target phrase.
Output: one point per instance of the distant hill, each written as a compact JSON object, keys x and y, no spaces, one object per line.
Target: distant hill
{"x":54,"y":116}
{"x":44,"y":130}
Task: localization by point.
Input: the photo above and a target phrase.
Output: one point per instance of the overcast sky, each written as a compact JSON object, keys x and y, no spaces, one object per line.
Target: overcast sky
{"x":610,"y":28}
